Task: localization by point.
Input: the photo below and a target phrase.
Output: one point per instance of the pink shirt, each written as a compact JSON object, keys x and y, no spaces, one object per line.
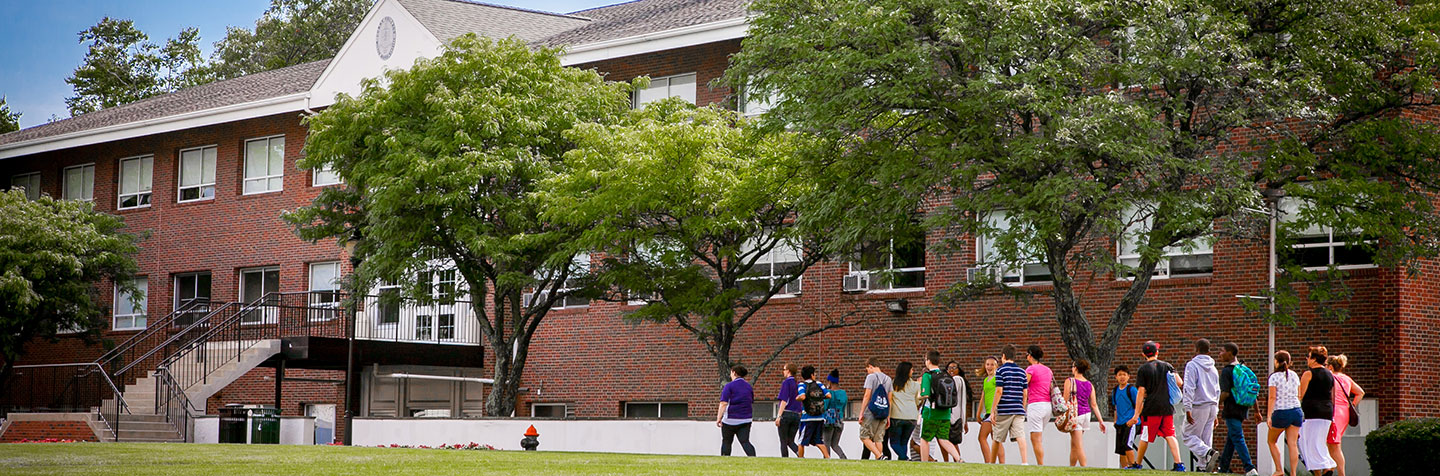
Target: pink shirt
{"x":1342,"y":404}
{"x":1041,"y":380}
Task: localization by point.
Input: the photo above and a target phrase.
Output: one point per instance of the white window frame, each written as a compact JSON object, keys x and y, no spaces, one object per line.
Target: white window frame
{"x":1197,"y":247}
{"x":144,"y":194}
{"x":670,"y":90}
{"x":324,"y":171}
{"x":271,"y":174}
{"x":793,"y":288}
{"x":748,"y":107}
{"x":138,"y":319}
{"x":1330,"y":243}
{"x":322,"y":309}
{"x":659,"y":410}
{"x":875,"y":284}
{"x":87,"y":175}
{"x":29,"y":193}
{"x":580,"y":267}
{"x":180,"y":186}
{"x":380,"y":294}
{"x":268,"y":315}
{"x":1011,"y":274}
{"x":564,"y":409}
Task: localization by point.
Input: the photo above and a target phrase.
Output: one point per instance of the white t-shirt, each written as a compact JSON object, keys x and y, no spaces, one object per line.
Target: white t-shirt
{"x":1287,"y":389}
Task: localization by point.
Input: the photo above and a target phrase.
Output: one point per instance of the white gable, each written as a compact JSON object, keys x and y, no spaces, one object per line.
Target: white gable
{"x":361,"y":56}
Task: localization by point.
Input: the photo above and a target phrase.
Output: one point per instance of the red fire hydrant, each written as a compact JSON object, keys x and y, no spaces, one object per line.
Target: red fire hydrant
{"x":531,"y":439}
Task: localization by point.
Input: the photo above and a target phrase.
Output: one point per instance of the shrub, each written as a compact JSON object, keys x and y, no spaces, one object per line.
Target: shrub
{"x":1404,"y":447}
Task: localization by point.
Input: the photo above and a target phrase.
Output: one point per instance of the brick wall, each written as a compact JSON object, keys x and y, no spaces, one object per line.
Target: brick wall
{"x":18,"y":431}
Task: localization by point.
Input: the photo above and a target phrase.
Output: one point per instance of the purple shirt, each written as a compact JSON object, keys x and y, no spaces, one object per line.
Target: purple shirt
{"x":789,"y":389}
{"x":1083,"y":390}
{"x":741,"y":398}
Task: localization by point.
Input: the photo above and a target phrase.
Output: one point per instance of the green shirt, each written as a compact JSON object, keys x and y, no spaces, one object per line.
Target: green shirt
{"x":927,"y":412}
{"x":988,"y":389}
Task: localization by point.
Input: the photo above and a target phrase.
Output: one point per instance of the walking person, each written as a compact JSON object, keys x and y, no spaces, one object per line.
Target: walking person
{"x":1285,"y":415}
{"x":940,"y":396}
{"x":985,"y":413}
{"x":1235,"y":411}
{"x":789,"y":422}
{"x":1152,"y":403}
{"x":1039,"y":380}
{"x":812,"y":396}
{"x":958,"y":422}
{"x":1201,"y":396}
{"x":737,"y":404}
{"x":835,"y":413}
{"x":1010,"y":397}
{"x":1081,"y":395}
{"x":904,"y":410}
{"x":1123,"y":399}
{"x":1317,"y":402}
{"x":1347,"y":396}
{"x":875,"y":415}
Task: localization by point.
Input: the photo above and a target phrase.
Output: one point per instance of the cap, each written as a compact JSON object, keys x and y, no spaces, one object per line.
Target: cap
{"x":1150,"y":348}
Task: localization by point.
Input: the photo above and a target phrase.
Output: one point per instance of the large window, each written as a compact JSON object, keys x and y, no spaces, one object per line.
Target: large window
{"x":579,"y":267}
{"x":987,"y":256}
{"x":79,"y":183}
{"x":388,"y":300}
{"x":1318,"y":247}
{"x":197,"y":174}
{"x":324,"y":290}
{"x":192,"y":288}
{"x":30,"y":183}
{"x":780,"y":263}
{"x":895,"y":264}
{"x":130,"y":308}
{"x":680,"y":86}
{"x":135,"y":176}
{"x":436,"y":321}
{"x":256,"y":283}
{"x":264,"y":165}
{"x":751,"y":106}
{"x":1194,"y":258}
{"x":323,"y":176}
{"x":661,"y":410}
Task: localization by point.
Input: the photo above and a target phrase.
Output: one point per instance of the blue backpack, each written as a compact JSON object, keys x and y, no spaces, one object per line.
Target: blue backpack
{"x":1174,"y":389}
{"x":1245,"y":388}
{"x":879,"y":404}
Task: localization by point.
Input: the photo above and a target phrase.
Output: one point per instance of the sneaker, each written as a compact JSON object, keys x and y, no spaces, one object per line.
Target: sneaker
{"x":1135,"y":466}
{"x":1253,"y":472}
{"x":1212,"y":462}
{"x":1179,"y":467}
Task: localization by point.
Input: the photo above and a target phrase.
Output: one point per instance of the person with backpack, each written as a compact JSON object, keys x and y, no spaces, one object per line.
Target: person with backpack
{"x":1202,"y":403}
{"x":1081,"y":395}
{"x":789,"y":421}
{"x":737,"y":401}
{"x":1317,"y":402}
{"x":1238,"y":390}
{"x":938,"y":391}
{"x":957,"y":415}
{"x":1347,"y":396}
{"x":875,"y":415}
{"x":1154,"y":407}
{"x":904,"y":410}
{"x":1010,"y":397}
{"x":1285,"y":415}
{"x":1040,"y":382}
{"x":985,"y":412}
{"x":812,"y":396}
{"x":835,"y":413}
{"x":1123,"y":399}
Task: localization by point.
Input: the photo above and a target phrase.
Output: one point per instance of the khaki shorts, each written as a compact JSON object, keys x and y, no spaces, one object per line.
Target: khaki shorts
{"x":1008,"y":427}
{"x":873,"y":429}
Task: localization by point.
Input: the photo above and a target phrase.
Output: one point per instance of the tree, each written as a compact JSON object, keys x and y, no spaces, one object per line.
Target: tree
{"x":290,"y":32}
{"x":1087,"y":122}
{"x":54,"y":254}
{"x":123,"y":66}
{"x":9,"y":120}
{"x":441,"y":163}
{"x":694,"y":211}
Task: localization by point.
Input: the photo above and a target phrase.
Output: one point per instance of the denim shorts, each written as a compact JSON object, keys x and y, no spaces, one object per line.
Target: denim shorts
{"x":1287,"y":418}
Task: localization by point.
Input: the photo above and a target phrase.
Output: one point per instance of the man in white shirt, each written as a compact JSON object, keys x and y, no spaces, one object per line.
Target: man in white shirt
{"x":1201,"y":397}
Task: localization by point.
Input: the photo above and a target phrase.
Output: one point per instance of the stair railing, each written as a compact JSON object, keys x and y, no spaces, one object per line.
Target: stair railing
{"x":78,"y":387}
{"x":234,"y":329}
{"x":171,"y":398}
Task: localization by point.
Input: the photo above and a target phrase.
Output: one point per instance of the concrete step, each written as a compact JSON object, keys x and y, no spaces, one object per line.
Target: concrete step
{"x":141,"y":418}
{"x":145,"y":426}
{"x":150,"y":440}
{"x":165,"y":434}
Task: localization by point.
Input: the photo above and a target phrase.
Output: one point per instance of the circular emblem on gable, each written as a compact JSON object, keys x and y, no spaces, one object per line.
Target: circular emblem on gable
{"x":385,"y":38}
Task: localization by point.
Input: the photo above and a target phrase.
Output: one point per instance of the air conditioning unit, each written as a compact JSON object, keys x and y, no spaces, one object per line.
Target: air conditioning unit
{"x":856,"y":282}
{"x":529,"y":299}
{"x":980,"y":275}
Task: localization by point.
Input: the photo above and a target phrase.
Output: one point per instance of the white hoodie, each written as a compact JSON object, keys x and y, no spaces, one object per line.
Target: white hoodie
{"x":1202,"y":382}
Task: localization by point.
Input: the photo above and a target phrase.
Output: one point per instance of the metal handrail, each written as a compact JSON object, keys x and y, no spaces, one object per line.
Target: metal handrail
{"x":120,"y":404}
{"x":154,"y":327}
{"x":171,"y":340}
{"x":233,"y":320}
{"x":166,"y":382}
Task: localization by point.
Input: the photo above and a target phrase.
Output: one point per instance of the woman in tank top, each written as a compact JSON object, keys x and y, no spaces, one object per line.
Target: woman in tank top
{"x":1347,"y":395}
{"x":985,"y":414}
{"x":1081,"y":395}
{"x":1317,"y":402}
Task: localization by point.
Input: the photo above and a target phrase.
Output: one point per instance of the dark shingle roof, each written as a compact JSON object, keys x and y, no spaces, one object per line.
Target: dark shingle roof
{"x":254,"y":87}
{"x":645,"y":16}
{"x":449,"y":19}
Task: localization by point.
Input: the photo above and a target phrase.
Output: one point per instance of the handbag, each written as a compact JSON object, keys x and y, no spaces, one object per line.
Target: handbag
{"x":1057,"y":402}
{"x":1350,"y":402}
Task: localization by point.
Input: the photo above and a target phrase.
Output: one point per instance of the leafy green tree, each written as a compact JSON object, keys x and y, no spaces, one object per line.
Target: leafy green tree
{"x":9,"y":120}
{"x":122,"y":65}
{"x":1086,"y":122}
{"x":290,"y":32}
{"x":441,"y":162}
{"x":694,"y":210}
{"x":54,"y":255}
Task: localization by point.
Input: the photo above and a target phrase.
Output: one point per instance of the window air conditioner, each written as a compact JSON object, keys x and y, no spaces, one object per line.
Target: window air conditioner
{"x":856,"y":282}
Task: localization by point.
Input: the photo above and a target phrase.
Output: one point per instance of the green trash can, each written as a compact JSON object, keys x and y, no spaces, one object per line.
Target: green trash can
{"x":234,"y":418}
{"x":264,"y":425}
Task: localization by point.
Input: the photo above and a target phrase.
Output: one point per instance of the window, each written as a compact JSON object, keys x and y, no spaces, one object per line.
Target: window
{"x":324,"y":290}
{"x":661,"y":410}
{"x":440,"y":283}
{"x":436,"y":321}
{"x":79,"y":183}
{"x":751,"y":107}
{"x":894,"y":264}
{"x":264,"y":165}
{"x":197,"y":174}
{"x":579,"y":267}
{"x":388,"y":299}
{"x":763,"y":410}
{"x":548,"y":410}
{"x":130,"y":308}
{"x":986,"y":255}
{"x":256,"y":283}
{"x":681,"y":86}
{"x":30,"y":183}
{"x":324,"y":176}
{"x":192,"y":288}
{"x":1194,"y":258}
{"x":1318,"y":247}
{"x":135,"y":176}
{"x":780,"y":263}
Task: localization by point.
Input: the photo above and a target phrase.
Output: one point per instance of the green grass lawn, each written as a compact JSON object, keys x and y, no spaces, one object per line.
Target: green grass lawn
{"x":236,"y":460}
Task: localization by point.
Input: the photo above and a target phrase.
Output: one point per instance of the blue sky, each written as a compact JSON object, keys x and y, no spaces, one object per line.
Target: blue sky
{"x":39,"y":47}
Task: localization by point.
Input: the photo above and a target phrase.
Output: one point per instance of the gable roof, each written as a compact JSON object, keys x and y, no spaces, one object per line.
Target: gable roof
{"x":449,"y":19}
{"x":254,"y":87}
{"x":645,"y":16}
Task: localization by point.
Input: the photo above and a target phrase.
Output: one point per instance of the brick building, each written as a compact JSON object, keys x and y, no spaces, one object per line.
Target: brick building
{"x":207,"y":171}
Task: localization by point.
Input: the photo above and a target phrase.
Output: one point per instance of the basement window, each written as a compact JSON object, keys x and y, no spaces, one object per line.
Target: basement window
{"x":657,"y":410}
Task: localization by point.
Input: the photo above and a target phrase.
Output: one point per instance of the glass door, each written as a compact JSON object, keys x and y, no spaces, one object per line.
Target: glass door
{"x":192,"y":288}
{"x":255,"y":284}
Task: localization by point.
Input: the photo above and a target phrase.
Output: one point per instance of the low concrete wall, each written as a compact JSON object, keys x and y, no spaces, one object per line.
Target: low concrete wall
{"x":294,"y":430}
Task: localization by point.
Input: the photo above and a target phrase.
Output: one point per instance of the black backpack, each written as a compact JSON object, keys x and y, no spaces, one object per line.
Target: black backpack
{"x":814,"y":399}
{"x":944,"y":394}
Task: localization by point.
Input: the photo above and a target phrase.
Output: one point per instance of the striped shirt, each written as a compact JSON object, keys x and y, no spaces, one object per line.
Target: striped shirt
{"x":1012,"y":399}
